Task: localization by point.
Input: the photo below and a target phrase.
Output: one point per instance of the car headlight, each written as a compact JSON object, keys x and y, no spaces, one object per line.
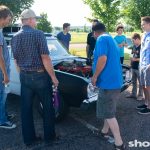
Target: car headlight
{"x":91,"y":90}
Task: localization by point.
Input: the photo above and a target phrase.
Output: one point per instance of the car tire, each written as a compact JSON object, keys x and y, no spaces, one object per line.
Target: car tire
{"x":60,"y":112}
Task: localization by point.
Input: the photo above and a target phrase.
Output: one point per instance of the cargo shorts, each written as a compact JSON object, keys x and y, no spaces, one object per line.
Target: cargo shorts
{"x":106,"y":103}
{"x":145,"y":76}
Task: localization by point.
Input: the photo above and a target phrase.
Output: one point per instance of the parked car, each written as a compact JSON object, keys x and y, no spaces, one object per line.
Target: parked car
{"x":74,"y":75}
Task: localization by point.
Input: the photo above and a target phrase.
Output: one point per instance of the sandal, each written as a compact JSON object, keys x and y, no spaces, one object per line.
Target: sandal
{"x":104,"y":136}
{"x":121,"y":147}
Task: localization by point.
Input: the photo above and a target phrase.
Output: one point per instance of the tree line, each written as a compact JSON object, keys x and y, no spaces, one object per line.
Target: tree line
{"x":110,"y":12}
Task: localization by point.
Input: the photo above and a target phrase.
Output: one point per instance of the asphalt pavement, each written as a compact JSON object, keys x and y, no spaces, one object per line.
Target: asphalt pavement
{"x":76,"y":132}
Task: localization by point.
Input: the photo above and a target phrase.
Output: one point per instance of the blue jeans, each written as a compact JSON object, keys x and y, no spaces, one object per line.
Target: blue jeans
{"x":3,"y":116}
{"x":39,"y":84}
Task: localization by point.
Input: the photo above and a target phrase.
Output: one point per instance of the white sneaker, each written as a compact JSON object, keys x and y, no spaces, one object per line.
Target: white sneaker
{"x":140,"y":98}
{"x":8,"y":125}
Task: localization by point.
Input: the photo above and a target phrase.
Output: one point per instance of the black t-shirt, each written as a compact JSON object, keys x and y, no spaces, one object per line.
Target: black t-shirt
{"x":136,"y":54}
{"x":91,"y":41}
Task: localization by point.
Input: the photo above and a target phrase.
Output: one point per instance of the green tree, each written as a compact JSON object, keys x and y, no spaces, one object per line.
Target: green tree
{"x":44,"y":24}
{"x":135,"y":9}
{"x":17,"y":6}
{"x":106,"y":11}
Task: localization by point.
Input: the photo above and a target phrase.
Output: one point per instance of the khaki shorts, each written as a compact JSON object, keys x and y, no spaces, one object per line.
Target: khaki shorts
{"x":145,"y":76}
{"x":106,"y":103}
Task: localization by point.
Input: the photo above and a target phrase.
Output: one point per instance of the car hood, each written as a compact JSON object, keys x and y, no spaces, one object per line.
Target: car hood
{"x":58,"y":59}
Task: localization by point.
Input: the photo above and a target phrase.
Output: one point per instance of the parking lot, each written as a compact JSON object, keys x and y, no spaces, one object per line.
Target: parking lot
{"x":75,"y":130}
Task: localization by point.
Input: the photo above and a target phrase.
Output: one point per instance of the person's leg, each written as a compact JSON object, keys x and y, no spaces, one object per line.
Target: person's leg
{"x":105,"y":128}
{"x":145,"y":95}
{"x":28,"y":130}
{"x":134,"y":82}
{"x":44,"y":91}
{"x":3,"y":118}
{"x":114,"y":127}
{"x":121,"y":60}
{"x":146,"y":86}
{"x":148,"y":96}
{"x":140,"y":92}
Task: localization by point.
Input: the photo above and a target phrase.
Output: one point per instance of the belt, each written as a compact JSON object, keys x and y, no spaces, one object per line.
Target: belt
{"x":33,"y":71}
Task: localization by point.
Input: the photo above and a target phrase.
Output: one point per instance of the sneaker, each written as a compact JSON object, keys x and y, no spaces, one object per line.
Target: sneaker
{"x":10,"y":116}
{"x":140,"y":98}
{"x":141,"y":107}
{"x":144,"y":111}
{"x":121,"y":147}
{"x":8,"y":125}
{"x":131,"y":96}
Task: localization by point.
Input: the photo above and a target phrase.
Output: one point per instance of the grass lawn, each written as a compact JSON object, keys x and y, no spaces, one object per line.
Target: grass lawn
{"x":82,"y":53}
{"x":78,"y":37}
{"x":81,"y":37}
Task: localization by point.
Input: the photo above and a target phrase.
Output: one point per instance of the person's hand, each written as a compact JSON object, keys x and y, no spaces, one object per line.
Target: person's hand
{"x":94,"y":80}
{"x":6,"y":79}
{"x":55,"y":81}
{"x":120,"y":45}
{"x":133,"y":59}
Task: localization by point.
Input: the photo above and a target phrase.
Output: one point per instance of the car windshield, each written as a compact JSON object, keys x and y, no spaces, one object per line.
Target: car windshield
{"x":55,"y":48}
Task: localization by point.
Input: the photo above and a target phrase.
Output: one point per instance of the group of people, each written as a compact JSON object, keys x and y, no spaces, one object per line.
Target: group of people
{"x":37,"y":75}
{"x":108,"y":56}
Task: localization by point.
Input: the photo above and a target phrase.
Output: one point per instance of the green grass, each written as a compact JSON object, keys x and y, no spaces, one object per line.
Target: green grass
{"x":78,"y":52}
{"x":78,"y":37}
{"x":82,"y":53}
{"x":81,"y":37}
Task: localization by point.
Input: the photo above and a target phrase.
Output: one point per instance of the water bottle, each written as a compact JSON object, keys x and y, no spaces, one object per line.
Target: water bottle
{"x":7,"y":88}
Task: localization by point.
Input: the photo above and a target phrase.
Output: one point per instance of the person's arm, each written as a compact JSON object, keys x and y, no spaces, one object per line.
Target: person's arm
{"x":49,"y":68}
{"x":99,"y":68}
{"x":17,"y":67}
{"x":88,"y":45}
{"x":125,"y":42}
{"x":2,"y":66}
{"x":87,"y":50}
{"x":135,"y":59}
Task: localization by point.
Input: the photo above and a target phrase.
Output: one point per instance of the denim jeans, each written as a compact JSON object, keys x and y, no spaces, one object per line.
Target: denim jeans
{"x":39,"y":84}
{"x":135,"y":77}
{"x":3,"y":114}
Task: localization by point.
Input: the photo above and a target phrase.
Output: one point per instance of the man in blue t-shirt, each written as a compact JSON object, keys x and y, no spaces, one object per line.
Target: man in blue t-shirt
{"x":65,"y":37}
{"x":108,"y":78}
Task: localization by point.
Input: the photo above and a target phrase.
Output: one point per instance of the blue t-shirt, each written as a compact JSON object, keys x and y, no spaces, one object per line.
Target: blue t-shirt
{"x":120,"y":39}
{"x":64,"y":39}
{"x":145,"y":51}
{"x":111,"y":75}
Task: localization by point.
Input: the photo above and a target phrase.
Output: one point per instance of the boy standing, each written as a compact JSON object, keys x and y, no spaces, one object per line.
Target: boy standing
{"x":121,"y":41}
{"x":135,"y":67}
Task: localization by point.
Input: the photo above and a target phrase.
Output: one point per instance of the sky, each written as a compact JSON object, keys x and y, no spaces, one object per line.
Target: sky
{"x":60,"y":11}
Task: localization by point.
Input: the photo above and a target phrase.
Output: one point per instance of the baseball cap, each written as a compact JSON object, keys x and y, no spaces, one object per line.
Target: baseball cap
{"x":28,"y":13}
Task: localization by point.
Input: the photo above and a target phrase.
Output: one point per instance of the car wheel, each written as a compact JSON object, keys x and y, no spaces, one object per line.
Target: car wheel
{"x":61,"y":110}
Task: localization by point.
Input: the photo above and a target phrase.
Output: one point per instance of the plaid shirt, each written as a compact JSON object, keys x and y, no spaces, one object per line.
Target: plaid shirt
{"x":27,"y":46}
